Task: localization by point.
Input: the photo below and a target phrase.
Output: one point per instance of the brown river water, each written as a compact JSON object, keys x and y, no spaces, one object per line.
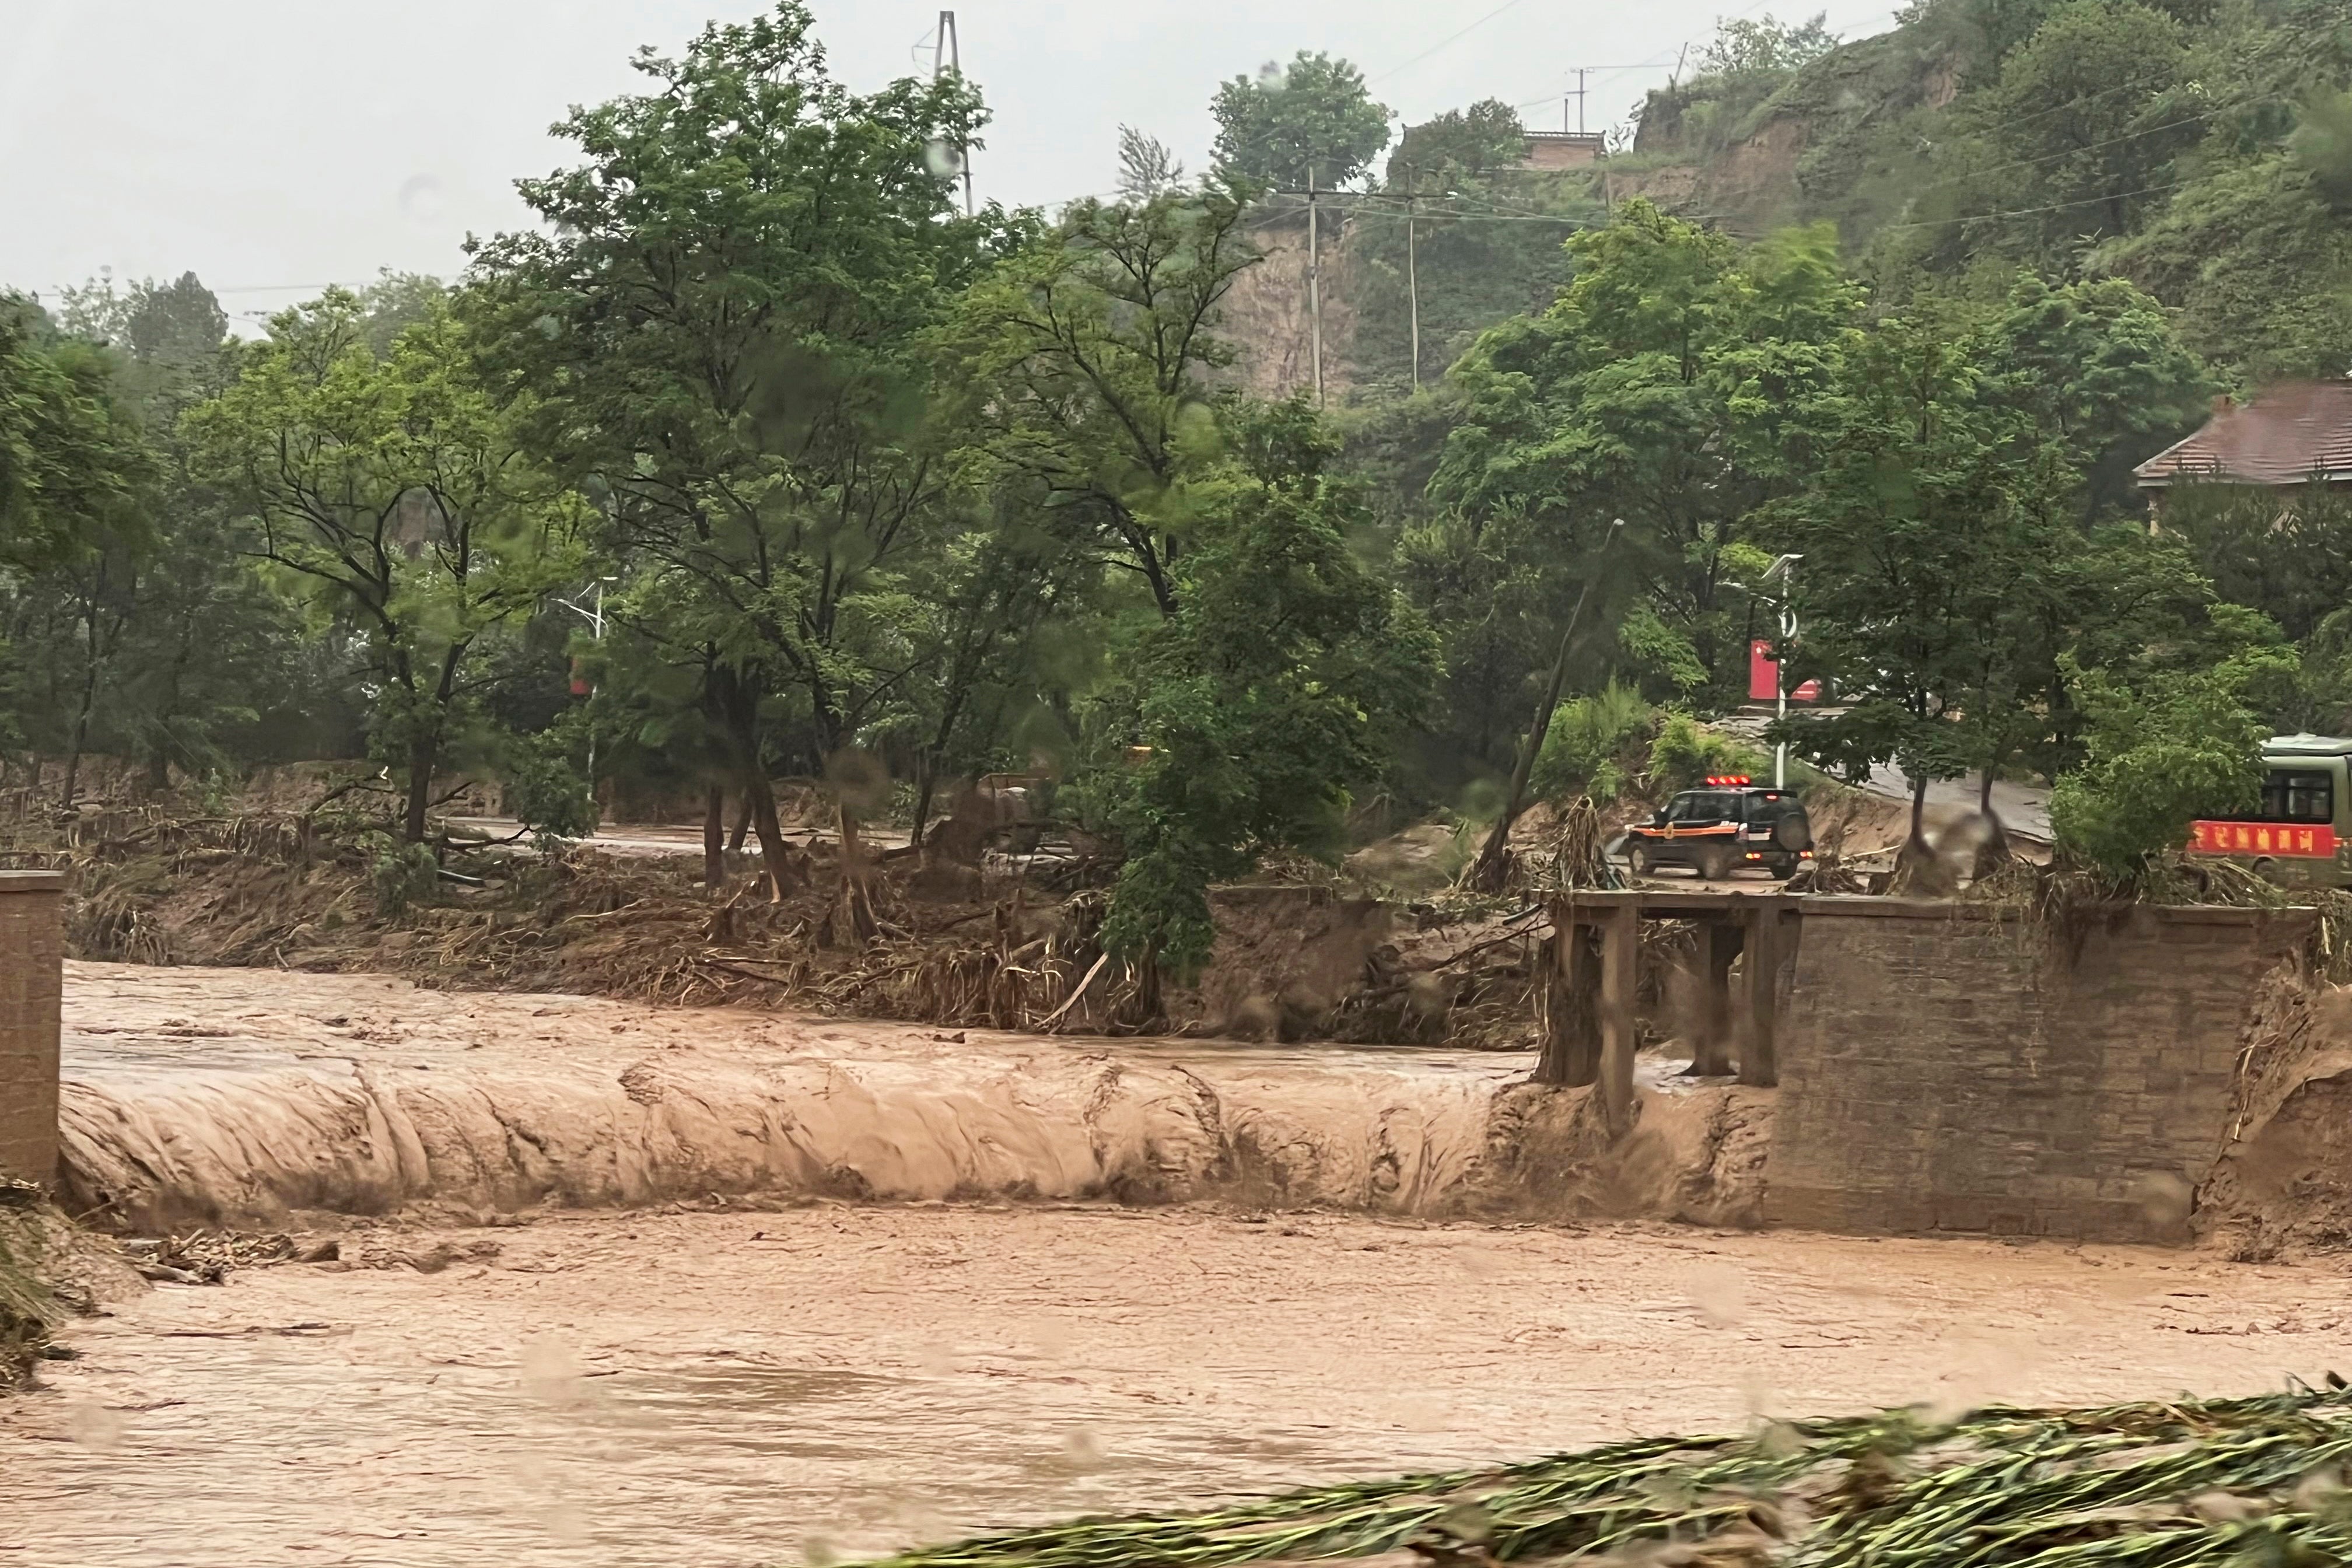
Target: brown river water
{"x":691,"y":1383}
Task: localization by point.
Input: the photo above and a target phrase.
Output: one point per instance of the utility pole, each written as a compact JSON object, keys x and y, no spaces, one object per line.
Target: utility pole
{"x":1412,"y":282}
{"x":1315,"y":284}
{"x":1579,"y":96}
{"x":947,"y":55}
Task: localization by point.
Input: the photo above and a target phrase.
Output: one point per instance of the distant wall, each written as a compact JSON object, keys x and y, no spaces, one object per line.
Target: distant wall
{"x":1943,"y":1070}
{"x":31,"y":967}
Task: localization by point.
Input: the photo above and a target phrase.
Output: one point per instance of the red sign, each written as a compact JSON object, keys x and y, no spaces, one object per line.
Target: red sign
{"x":2315,"y":843}
{"x":1764,"y":677}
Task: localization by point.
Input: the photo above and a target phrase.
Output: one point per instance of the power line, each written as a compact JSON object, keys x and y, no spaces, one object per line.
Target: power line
{"x":1443,"y":42}
{"x":2029,"y":211}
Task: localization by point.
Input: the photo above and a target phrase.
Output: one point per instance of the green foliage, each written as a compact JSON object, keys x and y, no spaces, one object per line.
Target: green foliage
{"x":1763,"y":44}
{"x":1086,"y":368}
{"x":2174,"y":746}
{"x":1747,"y":61}
{"x":1484,"y":243}
{"x":2287,"y":553}
{"x":723,"y":326}
{"x":1593,"y":746}
{"x":1685,"y":754}
{"x":1283,"y":680}
{"x":546,"y":788}
{"x":400,"y":874}
{"x":1145,"y":167}
{"x":2135,"y":1484}
{"x":393,"y":494}
{"x":1668,"y":386}
{"x":1460,"y":149}
{"x":71,"y":458}
{"x":1311,"y":119}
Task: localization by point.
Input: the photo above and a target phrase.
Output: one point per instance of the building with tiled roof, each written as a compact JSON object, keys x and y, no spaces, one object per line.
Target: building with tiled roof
{"x":2293,"y":434}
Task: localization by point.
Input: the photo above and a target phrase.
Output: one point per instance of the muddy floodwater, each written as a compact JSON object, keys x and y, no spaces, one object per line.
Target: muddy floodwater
{"x":703,"y":1383}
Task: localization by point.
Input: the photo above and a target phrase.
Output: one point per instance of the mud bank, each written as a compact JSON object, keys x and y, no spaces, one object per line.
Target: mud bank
{"x":227,"y":1097}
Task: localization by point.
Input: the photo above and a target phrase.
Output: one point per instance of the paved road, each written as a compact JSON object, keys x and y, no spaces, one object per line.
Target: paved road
{"x":2024,"y":809}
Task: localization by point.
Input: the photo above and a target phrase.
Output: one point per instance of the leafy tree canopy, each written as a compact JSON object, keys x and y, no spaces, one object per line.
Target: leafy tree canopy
{"x":1310,"y":119}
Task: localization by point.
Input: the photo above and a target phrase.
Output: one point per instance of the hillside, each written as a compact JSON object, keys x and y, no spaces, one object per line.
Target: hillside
{"x":2201,"y":149}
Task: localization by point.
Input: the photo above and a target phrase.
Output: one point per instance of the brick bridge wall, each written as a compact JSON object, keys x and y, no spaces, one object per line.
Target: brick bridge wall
{"x":31,"y":967}
{"x":1942,"y":1071}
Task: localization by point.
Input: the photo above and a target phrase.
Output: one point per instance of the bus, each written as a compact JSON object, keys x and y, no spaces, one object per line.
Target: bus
{"x":2301,"y":836}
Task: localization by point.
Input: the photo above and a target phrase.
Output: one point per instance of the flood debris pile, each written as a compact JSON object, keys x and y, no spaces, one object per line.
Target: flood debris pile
{"x":921,"y":940}
{"x":2159,"y":1485}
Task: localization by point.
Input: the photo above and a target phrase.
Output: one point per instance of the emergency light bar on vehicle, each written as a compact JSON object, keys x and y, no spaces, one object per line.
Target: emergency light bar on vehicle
{"x":1729,"y":779}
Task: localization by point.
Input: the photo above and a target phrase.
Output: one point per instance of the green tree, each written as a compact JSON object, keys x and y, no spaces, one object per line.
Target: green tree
{"x":1146,"y":166}
{"x":2176,"y":745}
{"x":1282,"y":681}
{"x":2098,"y":369}
{"x":1670,"y":387}
{"x":724,"y":321}
{"x":1765,"y":44}
{"x":1915,"y":532}
{"x":2081,"y":131}
{"x":1460,"y":149}
{"x":1311,"y":120}
{"x":395,"y":492}
{"x":70,"y":453}
{"x":1086,"y":372}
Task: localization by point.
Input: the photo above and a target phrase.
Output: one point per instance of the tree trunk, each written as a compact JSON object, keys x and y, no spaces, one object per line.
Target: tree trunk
{"x":714,"y":837}
{"x":742,"y":827}
{"x":922,"y":802}
{"x":422,"y":755}
{"x":857,"y":902}
{"x":1992,"y":849}
{"x":737,"y":706}
{"x":73,"y":748}
{"x":775,"y":855}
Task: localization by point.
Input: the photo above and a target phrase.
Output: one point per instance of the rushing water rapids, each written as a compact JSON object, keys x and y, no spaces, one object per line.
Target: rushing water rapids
{"x":211,"y":1096}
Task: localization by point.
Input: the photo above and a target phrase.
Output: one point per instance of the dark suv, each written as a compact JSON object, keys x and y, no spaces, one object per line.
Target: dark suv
{"x":1729,"y":825}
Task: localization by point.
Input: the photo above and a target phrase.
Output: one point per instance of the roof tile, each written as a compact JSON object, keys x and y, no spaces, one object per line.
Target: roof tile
{"x":2286,"y":436}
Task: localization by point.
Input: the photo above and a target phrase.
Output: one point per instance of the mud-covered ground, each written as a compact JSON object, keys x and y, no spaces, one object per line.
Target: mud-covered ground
{"x":713,"y":1388}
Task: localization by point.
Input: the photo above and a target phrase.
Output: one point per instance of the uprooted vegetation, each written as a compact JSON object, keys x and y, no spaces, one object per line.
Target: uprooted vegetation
{"x":911,"y":936}
{"x":2181,"y":1484}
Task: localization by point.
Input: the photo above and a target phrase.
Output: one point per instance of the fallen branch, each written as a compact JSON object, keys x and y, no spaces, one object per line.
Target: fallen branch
{"x":1045,"y":1024}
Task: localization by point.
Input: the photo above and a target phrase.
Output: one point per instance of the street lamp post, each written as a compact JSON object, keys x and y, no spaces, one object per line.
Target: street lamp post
{"x":594,"y":616}
{"x":1785,"y":568}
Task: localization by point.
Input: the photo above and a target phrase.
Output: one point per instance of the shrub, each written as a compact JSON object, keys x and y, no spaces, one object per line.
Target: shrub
{"x":1593,"y":746}
{"x":1686,"y":754}
{"x":2181,"y":745}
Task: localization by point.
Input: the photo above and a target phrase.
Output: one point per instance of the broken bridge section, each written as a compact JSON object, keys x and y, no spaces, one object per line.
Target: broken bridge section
{"x":32,"y":966}
{"x":1943,"y":1067}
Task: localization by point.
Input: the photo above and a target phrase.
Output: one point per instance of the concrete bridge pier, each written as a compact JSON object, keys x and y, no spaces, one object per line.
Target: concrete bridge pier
{"x":32,"y":966}
{"x":1588,"y":1034}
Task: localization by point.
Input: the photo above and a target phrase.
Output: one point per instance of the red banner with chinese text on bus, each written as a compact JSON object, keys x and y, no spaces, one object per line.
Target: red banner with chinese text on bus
{"x":2316,"y":842}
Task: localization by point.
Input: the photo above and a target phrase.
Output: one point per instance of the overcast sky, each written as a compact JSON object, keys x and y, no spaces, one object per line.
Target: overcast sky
{"x":274,"y":146}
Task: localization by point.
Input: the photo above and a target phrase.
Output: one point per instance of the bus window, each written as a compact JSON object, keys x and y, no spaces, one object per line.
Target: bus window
{"x":2295,"y":794}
